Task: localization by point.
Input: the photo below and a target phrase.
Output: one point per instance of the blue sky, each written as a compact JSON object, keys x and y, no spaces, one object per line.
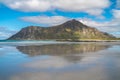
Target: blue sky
{"x":16,"y":14}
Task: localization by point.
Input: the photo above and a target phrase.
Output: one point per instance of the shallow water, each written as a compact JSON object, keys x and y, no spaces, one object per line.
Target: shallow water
{"x":59,"y":60}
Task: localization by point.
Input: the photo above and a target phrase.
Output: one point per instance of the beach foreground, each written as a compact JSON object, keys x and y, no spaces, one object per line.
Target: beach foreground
{"x":52,"y":60}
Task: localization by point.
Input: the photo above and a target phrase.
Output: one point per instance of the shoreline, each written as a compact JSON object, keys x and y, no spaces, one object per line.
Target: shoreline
{"x":90,"y":40}
{"x":66,"y":40}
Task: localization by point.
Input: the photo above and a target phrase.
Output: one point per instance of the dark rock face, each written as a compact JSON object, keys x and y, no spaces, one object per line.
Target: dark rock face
{"x":72,"y":29}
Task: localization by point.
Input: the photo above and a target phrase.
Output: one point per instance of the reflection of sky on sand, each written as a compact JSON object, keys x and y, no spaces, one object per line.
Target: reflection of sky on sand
{"x":69,"y":75}
{"x":96,"y":66}
{"x":58,"y":68}
{"x":56,"y":62}
{"x":87,"y":69}
{"x":89,"y":61}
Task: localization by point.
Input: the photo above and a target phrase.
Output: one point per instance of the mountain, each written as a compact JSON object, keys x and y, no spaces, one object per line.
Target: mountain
{"x":70,"y":30}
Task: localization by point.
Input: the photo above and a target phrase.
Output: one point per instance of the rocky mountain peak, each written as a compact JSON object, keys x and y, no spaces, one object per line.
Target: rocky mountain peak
{"x":73,"y":21}
{"x":74,"y":24}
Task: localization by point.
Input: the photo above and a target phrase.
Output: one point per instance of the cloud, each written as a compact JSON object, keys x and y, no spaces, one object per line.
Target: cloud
{"x":116,"y":13}
{"x":92,"y":7}
{"x":46,"y":20}
{"x":118,"y":3}
{"x":29,"y":5}
{"x":5,"y":32}
{"x":108,"y":26}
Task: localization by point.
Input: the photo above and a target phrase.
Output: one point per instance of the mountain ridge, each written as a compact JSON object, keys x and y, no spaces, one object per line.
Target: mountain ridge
{"x":72,"y":29}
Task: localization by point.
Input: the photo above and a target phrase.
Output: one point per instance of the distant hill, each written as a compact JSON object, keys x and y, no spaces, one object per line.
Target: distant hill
{"x":70,"y":30}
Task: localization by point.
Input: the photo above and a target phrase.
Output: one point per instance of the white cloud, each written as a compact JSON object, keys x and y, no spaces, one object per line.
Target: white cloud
{"x":5,"y":32}
{"x":29,"y":5}
{"x":116,"y":13}
{"x":108,"y":26}
{"x":118,"y":4}
{"x":93,"y":7}
{"x":88,"y":6}
{"x":46,"y":20}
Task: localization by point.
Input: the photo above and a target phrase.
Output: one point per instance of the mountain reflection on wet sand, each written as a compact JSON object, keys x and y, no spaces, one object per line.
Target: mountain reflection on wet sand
{"x":84,"y":61}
